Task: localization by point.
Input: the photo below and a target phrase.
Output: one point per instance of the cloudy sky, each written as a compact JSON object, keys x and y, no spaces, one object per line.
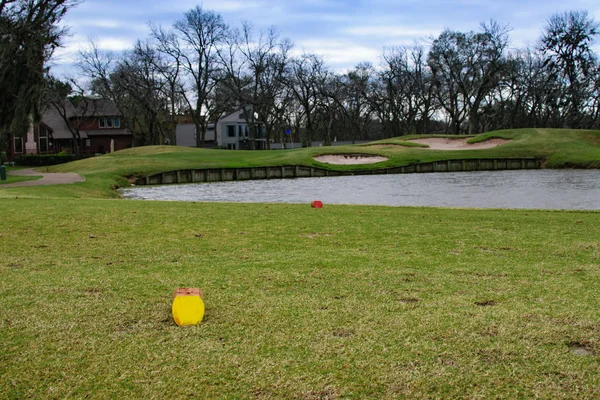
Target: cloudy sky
{"x":344,"y":32}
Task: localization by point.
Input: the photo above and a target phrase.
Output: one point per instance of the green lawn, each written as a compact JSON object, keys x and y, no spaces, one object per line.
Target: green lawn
{"x":345,"y":302}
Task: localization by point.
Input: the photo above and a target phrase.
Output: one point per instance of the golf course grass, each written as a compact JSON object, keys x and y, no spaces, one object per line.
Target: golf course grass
{"x":344,"y":302}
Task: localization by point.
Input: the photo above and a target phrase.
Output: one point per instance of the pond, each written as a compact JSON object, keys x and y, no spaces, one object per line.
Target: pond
{"x":529,"y":189}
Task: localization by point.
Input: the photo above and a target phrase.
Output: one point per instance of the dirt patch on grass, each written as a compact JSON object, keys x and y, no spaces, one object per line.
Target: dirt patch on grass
{"x":409,"y":300}
{"x":582,"y":349}
{"x":486,"y":303}
{"x":349,"y":159}
{"x":459,"y":144}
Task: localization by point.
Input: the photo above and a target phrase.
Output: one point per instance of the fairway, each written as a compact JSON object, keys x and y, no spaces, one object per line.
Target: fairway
{"x":344,"y":302}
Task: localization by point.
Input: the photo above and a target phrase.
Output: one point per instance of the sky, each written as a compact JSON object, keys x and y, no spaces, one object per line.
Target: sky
{"x":343,"y":32}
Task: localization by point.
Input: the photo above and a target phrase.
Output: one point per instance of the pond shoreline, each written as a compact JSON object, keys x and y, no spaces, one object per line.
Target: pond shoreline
{"x":205,"y":175}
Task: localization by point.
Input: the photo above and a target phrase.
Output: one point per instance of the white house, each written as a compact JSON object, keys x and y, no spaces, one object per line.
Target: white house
{"x":186,"y":135}
{"x":234,"y":133}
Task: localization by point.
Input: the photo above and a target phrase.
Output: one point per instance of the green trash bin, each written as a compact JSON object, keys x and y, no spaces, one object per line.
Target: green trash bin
{"x":2,"y":173}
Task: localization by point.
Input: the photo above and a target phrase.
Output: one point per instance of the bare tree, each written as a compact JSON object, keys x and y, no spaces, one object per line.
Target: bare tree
{"x":566,"y":43}
{"x":68,"y":99}
{"x":192,"y":46}
{"x":135,"y":82}
{"x":255,"y":69}
{"x":466,"y":67}
{"x":305,"y":74}
{"x":405,"y":97}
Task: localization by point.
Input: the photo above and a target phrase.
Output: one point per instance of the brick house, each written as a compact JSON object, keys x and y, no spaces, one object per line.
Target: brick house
{"x":101,"y":129}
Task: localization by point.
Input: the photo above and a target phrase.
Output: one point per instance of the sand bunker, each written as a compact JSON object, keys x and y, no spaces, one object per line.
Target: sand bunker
{"x":458,"y":144}
{"x":348,"y":159}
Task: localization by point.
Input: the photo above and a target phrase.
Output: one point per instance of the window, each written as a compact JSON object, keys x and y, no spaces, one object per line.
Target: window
{"x":18,"y":144}
{"x":43,"y":139}
{"x":243,"y":130}
{"x":230,"y":130}
{"x":231,"y":146}
{"x":88,"y":143}
{"x":109,"y":122}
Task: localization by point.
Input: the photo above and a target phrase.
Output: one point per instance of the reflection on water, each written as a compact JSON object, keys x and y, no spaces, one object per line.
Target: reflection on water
{"x":548,"y":189}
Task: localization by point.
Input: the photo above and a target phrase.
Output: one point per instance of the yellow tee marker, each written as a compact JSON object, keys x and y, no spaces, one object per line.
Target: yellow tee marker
{"x":188,"y":306}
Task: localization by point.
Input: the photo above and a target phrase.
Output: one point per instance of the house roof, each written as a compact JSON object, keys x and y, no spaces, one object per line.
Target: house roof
{"x":237,"y":115}
{"x":102,"y":108}
{"x":57,"y":124}
{"x":95,"y":108}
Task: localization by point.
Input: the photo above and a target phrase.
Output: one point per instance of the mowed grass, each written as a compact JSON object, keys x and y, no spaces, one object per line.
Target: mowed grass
{"x":344,"y":302}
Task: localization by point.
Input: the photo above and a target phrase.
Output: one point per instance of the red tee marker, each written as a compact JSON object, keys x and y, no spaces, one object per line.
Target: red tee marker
{"x":317,"y":204}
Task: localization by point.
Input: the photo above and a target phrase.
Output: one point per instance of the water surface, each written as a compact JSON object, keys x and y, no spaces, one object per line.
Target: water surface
{"x":530,"y":189}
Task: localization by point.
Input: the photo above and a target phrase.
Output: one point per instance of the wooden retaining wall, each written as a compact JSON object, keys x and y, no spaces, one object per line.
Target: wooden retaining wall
{"x":242,"y":174}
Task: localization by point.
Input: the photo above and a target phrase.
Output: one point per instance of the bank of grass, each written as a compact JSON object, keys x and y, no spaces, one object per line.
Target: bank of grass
{"x":344,"y":302}
{"x":558,"y":148}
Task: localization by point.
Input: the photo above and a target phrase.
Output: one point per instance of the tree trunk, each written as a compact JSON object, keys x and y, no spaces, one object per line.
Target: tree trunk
{"x":473,"y":122}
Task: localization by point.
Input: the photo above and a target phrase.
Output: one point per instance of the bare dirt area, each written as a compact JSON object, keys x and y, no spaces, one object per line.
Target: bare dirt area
{"x":349,"y":159}
{"x":47,"y":178}
{"x":458,"y":144}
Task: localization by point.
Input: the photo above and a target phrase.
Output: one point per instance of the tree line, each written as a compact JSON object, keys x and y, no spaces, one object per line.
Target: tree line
{"x":455,"y":83}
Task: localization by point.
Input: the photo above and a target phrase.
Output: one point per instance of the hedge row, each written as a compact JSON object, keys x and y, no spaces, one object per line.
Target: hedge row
{"x":42,"y":160}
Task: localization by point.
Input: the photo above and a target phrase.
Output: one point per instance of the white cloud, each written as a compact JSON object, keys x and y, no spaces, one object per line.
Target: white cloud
{"x":115,"y":43}
{"x":217,"y":5}
{"x":392,"y":31}
{"x":339,"y":54}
